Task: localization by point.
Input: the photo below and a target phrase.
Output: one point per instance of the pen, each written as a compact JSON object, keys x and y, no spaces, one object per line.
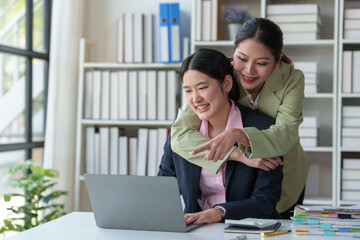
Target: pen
{"x":270,"y":234}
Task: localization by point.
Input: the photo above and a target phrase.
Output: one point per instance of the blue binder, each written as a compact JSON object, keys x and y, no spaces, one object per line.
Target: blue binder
{"x":164,"y":33}
{"x":175,"y":33}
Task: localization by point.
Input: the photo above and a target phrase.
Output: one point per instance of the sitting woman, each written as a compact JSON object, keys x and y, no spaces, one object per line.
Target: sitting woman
{"x":237,"y":191}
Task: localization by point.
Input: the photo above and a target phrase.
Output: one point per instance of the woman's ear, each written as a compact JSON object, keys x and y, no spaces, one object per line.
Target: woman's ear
{"x":278,"y":62}
{"x":228,"y":83}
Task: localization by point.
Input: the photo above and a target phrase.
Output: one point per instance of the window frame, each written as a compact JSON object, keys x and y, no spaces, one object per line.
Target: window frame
{"x":29,"y":54}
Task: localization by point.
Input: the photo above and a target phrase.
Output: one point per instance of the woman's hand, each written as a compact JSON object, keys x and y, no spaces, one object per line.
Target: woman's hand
{"x":220,"y":145}
{"x":207,"y":216}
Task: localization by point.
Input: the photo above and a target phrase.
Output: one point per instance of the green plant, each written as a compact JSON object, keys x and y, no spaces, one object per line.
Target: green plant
{"x":37,"y":195}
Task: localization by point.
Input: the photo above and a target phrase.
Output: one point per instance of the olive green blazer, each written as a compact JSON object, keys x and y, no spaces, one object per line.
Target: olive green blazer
{"x":281,"y":98}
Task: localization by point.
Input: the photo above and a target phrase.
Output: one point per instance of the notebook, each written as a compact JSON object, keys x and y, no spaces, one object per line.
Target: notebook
{"x":136,"y":202}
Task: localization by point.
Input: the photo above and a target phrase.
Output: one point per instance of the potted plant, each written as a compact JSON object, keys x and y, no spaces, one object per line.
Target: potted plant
{"x":235,"y":17}
{"x":37,"y":196}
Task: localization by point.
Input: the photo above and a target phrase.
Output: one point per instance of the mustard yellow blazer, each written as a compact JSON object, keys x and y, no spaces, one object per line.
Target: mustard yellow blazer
{"x":281,"y":98}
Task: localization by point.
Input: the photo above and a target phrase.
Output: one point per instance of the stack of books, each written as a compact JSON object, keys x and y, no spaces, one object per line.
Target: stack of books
{"x":109,"y":151}
{"x":327,"y":221}
{"x":310,"y":70}
{"x":308,"y":131}
{"x":350,"y":184}
{"x":207,"y":20}
{"x":297,"y":21}
{"x":131,"y":95}
{"x":350,"y":134}
{"x":351,"y":71}
{"x":352,"y":23}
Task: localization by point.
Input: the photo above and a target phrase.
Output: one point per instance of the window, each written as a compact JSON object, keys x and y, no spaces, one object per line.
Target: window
{"x":24,"y":63}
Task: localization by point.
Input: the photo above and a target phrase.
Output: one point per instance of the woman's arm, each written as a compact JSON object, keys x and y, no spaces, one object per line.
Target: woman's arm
{"x":185,"y":137}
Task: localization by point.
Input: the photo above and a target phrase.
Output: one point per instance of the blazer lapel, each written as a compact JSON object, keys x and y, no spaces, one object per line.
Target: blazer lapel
{"x":230,"y":166}
{"x":194,"y":175}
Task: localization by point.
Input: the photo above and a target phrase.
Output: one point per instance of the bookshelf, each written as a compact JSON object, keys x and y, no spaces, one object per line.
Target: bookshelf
{"x":131,"y":126}
{"x":324,"y":181}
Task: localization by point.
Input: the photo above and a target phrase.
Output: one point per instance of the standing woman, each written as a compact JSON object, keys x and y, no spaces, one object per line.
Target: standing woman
{"x":270,"y":84}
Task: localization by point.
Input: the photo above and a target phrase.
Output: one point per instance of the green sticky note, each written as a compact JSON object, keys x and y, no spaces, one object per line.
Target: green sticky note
{"x":326,"y":226}
{"x":329,"y":233}
{"x":313,"y":221}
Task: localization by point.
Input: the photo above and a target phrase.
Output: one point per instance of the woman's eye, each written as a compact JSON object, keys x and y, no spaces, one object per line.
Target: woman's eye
{"x":262,"y":64}
{"x":203,"y":88}
{"x":242,"y":59}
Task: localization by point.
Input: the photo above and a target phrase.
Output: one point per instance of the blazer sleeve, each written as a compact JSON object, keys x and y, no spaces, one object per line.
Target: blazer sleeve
{"x":281,"y":137}
{"x":185,"y":137}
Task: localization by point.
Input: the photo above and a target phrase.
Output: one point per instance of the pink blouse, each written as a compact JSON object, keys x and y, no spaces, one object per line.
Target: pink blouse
{"x":212,"y":186}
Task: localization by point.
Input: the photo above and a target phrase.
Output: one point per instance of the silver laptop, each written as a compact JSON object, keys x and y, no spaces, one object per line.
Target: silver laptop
{"x":136,"y":203}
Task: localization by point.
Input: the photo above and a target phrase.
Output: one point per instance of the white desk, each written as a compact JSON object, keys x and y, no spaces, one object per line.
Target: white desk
{"x":81,"y":225}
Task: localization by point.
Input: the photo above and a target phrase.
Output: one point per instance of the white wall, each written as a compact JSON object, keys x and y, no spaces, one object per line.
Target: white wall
{"x":100,"y":23}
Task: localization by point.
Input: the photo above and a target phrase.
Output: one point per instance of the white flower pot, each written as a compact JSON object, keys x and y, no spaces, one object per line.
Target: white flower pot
{"x":233,"y":30}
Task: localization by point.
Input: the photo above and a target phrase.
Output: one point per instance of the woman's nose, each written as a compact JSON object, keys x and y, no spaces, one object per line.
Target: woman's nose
{"x":250,"y":67}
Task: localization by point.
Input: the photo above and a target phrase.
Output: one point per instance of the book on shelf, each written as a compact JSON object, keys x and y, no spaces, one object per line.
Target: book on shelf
{"x":350,"y":142}
{"x":123,"y":155}
{"x":300,"y":27}
{"x":88,"y":94}
{"x":142,"y":151}
{"x":215,"y":19}
{"x":133,"y":144}
{"x":129,"y":37}
{"x":138,"y":37}
{"x":149,"y":23}
{"x":162,"y":137}
{"x":105,"y":95}
{"x":306,"y":66}
{"x":96,"y":100}
{"x":308,"y":131}
{"x":151,"y":95}
{"x":352,"y":23}
{"x":296,"y":18}
{"x":351,"y":111}
{"x":120,"y":45}
{"x":310,"y":121}
{"x":350,"y":132}
{"x":309,"y":141}
{"x":356,"y":71}
{"x":297,"y":36}
{"x":350,"y":185}
{"x":351,"y":122}
{"x":352,"y":13}
{"x":97,"y":156}
{"x":171,"y":95}
{"x":293,"y":9}
{"x":206,"y":20}
{"x":347,"y":68}
{"x":90,"y":150}
{"x":350,"y":196}
{"x":123,"y":95}
{"x":104,"y":150}
{"x":351,"y":163}
{"x":350,"y":174}
{"x":311,"y":88}
{"x":133,"y":95}
{"x":161,"y":95}
{"x":352,"y":34}
{"x":114,"y":96}
{"x":142,"y":95}
{"x":114,"y":150}
{"x":152,"y":163}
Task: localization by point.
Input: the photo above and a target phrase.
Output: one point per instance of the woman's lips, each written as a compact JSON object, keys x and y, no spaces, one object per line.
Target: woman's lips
{"x":202,"y":108}
{"x":249,"y":79}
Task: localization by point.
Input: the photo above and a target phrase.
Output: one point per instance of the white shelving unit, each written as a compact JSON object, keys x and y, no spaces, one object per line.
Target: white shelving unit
{"x":344,"y":99}
{"x":131,"y":125}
